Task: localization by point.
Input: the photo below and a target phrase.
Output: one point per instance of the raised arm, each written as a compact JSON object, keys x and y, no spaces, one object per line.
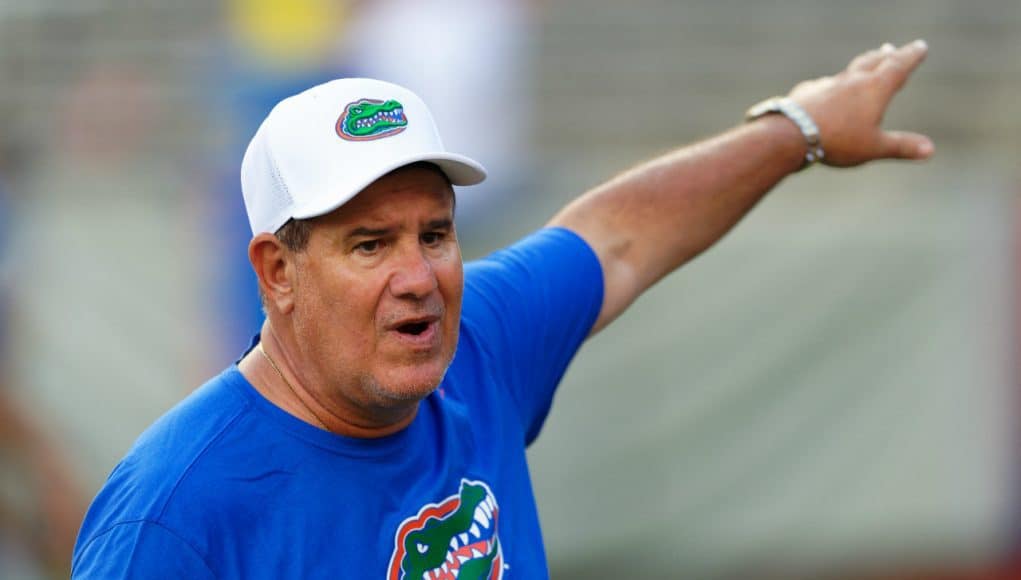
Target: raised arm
{"x":650,"y":220}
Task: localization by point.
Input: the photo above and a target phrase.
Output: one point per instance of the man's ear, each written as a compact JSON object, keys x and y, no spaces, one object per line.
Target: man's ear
{"x":274,"y":266}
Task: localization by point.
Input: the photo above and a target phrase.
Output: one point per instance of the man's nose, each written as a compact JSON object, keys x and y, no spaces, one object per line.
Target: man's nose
{"x":413,"y":276}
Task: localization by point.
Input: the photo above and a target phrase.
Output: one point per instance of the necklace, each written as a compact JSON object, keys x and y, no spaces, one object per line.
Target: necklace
{"x":273,"y":364}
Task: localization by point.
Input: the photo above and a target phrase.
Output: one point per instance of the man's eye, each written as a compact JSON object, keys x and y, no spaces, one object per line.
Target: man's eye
{"x":432,"y":238}
{"x":368,"y":246}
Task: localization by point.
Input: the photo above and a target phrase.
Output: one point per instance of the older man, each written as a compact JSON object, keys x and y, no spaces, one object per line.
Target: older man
{"x":377,"y":425}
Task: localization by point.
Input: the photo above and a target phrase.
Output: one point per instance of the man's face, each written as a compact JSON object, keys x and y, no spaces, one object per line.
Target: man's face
{"x":378,"y":293}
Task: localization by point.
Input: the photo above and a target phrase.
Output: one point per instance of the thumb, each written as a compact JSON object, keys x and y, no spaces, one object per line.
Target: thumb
{"x":905,"y":145}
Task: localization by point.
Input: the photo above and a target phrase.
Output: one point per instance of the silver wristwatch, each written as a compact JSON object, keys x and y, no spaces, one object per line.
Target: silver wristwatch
{"x":793,"y":111}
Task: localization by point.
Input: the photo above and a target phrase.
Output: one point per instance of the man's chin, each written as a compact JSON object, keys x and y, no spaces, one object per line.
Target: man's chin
{"x":406,"y":387}
{"x":406,"y":393}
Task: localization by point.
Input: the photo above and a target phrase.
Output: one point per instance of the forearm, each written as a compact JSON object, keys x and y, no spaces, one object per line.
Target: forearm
{"x":652,"y":219}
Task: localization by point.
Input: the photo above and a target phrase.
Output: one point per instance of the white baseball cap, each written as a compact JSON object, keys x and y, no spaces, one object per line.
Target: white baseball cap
{"x":317,"y":149}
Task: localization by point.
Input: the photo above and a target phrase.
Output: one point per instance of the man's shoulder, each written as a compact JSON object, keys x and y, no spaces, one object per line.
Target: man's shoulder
{"x":545,"y":267}
{"x":146,"y":478}
{"x":188,"y":429}
{"x":531,"y":268}
{"x":548,"y":244}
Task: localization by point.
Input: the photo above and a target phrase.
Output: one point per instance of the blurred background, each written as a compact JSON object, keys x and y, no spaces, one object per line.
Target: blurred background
{"x":831,"y":392}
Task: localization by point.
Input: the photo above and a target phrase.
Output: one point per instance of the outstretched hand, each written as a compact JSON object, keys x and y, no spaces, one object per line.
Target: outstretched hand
{"x":848,"y":107}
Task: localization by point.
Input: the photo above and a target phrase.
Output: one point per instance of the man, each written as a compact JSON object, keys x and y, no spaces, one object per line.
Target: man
{"x":377,"y":426}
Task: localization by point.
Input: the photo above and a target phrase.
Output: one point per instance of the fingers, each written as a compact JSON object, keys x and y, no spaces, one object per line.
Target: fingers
{"x":905,"y":145}
{"x":899,"y":64}
{"x":869,"y":60}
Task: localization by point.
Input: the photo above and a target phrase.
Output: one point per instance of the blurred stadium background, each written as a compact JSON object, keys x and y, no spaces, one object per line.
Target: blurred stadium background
{"x":830,"y":392}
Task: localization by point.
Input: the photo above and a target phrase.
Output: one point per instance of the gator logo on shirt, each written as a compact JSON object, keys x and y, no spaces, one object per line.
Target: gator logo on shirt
{"x":455,"y":538}
{"x":368,"y":119}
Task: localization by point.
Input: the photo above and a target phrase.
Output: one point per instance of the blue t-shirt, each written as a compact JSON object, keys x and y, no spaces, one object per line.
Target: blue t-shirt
{"x":227,"y":485}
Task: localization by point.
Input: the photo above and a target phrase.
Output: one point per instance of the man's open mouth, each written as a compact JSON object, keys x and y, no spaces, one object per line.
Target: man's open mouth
{"x":413,"y":328}
{"x":416,"y":328}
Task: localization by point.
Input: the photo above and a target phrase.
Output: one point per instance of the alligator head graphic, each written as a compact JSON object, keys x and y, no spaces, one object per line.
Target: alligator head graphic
{"x":367,"y":119}
{"x":456,"y":538}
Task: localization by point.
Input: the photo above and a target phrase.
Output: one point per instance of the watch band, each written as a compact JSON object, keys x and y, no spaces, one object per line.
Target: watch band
{"x":793,"y":111}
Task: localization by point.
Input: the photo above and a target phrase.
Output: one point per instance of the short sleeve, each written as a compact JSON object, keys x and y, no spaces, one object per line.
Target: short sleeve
{"x":138,"y":549}
{"x":531,"y":306}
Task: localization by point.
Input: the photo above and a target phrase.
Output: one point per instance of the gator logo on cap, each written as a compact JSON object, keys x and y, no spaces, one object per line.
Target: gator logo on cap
{"x":368,"y":119}
{"x":455,"y":538}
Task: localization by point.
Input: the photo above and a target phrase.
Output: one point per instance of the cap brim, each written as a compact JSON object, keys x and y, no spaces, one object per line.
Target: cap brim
{"x":460,"y":170}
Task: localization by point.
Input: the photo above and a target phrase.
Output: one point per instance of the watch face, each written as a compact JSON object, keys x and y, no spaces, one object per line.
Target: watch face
{"x":794,"y":112}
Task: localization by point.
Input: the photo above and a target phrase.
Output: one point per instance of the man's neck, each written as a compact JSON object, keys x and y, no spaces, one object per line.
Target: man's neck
{"x":268,"y":370}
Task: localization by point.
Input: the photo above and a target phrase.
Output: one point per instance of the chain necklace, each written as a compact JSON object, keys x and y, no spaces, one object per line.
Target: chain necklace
{"x":273,"y":364}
